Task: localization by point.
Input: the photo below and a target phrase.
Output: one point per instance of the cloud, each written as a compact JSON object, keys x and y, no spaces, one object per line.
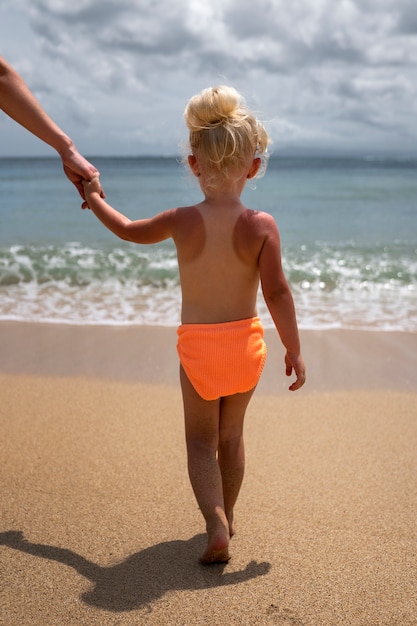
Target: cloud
{"x":337,"y":74}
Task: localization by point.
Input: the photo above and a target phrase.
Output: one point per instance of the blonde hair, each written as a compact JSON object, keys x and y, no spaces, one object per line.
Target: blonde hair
{"x":224,"y":132}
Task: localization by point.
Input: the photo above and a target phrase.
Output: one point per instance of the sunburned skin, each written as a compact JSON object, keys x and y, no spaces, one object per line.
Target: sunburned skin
{"x":222,"y":247}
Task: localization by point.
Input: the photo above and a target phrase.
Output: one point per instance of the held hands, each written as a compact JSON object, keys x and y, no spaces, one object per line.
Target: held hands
{"x":295,"y":362}
{"x":91,"y":186}
{"x":78,"y":169}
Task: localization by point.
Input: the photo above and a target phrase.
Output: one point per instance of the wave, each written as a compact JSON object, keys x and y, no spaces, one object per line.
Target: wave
{"x":334,"y":286}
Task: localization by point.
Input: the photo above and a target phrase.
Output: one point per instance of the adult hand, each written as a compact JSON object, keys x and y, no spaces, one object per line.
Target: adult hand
{"x":77,"y":169}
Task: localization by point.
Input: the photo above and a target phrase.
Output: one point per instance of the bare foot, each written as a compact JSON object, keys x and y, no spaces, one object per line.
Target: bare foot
{"x":217,"y":550}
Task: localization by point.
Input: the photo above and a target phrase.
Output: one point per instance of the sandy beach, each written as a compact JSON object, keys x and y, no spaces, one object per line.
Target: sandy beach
{"x":99,"y":524}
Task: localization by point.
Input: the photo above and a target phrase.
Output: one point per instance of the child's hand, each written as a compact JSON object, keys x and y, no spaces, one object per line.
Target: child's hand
{"x":295,"y":362}
{"x":90,"y":187}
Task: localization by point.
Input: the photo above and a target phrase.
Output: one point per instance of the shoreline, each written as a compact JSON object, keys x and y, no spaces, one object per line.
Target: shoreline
{"x":335,"y":359}
{"x":99,"y":524}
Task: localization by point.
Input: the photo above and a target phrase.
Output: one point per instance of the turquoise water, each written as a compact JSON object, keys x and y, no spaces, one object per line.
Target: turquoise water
{"x":348,"y":230}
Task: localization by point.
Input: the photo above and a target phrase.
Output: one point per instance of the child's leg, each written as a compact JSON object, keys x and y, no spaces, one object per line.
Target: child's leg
{"x":202,"y":438}
{"x":231,"y":451}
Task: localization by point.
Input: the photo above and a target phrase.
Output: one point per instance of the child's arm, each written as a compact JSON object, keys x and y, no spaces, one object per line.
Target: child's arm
{"x":143,"y":231}
{"x":280,"y":302}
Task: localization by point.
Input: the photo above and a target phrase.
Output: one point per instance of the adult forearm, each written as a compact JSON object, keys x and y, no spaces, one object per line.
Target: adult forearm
{"x":17,"y":101}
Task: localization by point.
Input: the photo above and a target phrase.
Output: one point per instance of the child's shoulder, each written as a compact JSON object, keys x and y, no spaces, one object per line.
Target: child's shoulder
{"x":259,"y":220}
{"x":186,"y":221}
{"x":186,"y":213}
{"x":254,"y":227}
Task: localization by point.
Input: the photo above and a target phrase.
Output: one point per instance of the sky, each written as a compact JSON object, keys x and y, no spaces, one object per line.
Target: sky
{"x":338,"y":76}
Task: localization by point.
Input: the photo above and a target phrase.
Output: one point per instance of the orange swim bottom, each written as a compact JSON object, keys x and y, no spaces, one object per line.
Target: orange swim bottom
{"x":222,"y":359}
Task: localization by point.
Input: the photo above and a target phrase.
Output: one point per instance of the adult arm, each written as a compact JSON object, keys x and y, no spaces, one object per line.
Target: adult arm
{"x":17,"y":101}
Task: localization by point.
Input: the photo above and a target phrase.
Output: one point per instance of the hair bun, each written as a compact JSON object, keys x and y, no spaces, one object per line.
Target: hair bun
{"x":215,"y":106}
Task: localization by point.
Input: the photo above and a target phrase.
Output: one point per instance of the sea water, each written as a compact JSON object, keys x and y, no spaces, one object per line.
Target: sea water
{"x":348,"y":233}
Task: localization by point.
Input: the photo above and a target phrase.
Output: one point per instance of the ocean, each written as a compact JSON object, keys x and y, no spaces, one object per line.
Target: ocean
{"x":348,"y":233}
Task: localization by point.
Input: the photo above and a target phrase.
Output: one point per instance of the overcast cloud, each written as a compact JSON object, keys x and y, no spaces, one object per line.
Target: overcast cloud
{"x":116,"y":74}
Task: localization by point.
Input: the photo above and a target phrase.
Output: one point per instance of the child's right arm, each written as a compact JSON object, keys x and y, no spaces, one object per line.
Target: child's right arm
{"x":279,"y":300}
{"x":144,"y":231}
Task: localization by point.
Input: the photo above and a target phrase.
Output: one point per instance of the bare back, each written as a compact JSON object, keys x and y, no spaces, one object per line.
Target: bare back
{"x":218,"y":250}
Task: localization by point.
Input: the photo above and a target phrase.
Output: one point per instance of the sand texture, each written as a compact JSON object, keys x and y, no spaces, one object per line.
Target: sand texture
{"x":99,"y":524}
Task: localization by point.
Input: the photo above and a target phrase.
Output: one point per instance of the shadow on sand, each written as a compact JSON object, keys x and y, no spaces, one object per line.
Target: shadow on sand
{"x":144,"y":576}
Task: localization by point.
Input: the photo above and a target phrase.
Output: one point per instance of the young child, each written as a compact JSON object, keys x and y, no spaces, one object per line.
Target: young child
{"x":224,"y":249}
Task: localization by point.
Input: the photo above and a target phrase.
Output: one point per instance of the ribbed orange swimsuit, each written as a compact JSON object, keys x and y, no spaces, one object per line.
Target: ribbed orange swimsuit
{"x":222,"y":359}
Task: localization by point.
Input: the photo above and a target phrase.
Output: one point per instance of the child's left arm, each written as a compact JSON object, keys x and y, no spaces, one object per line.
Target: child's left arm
{"x":143,"y":231}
